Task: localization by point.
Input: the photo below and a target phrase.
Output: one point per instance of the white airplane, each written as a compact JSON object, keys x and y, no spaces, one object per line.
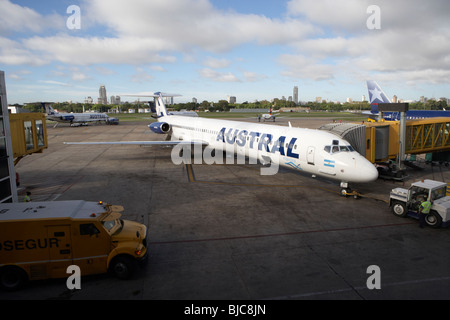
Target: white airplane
{"x":268,"y":116}
{"x":80,"y":118}
{"x":315,"y":152}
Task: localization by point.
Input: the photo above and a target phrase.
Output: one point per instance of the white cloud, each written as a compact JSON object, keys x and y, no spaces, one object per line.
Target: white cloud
{"x":218,"y":76}
{"x":339,"y":15}
{"x":59,"y":83}
{"x":95,"y":50}
{"x":192,"y":23}
{"x":412,"y":41}
{"x":13,"y":53}
{"x":80,"y":76}
{"x":157,"y":68}
{"x":302,"y":67}
{"x":253,"y":76}
{"x":216,"y":63}
{"x":15,"y":18}
{"x":316,"y":39}
{"x":141,"y":76}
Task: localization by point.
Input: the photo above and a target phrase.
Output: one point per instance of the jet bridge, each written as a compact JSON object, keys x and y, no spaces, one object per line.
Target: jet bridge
{"x":353,"y":133}
{"x":380,"y":141}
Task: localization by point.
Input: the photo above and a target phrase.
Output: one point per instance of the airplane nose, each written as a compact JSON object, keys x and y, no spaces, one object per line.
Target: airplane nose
{"x":372,"y":172}
{"x":367,"y":172}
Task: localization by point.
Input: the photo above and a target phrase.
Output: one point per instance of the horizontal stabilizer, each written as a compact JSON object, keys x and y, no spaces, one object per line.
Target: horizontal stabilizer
{"x":154,"y":95}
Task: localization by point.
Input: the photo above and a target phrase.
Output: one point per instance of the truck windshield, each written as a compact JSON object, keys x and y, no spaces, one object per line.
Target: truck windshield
{"x":438,"y":193}
{"x":113,"y":226}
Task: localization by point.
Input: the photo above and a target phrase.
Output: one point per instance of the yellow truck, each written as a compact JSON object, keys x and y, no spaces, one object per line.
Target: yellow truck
{"x":39,"y":240}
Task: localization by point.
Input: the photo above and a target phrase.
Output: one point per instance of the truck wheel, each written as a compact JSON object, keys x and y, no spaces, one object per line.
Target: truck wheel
{"x":12,"y":278}
{"x":399,"y":209}
{"x":433,"y":219}
{"x":123,"y":267}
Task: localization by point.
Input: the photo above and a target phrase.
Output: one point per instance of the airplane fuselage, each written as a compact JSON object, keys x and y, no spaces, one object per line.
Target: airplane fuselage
{"x":307,"y":150}
{"x":77,"y":117}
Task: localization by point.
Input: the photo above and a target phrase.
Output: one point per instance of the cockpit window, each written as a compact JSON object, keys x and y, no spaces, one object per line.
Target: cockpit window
{"x":335,"y":148}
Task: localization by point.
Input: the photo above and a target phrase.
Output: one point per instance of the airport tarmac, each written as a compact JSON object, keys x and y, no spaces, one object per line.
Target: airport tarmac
{"x":227,"y":232}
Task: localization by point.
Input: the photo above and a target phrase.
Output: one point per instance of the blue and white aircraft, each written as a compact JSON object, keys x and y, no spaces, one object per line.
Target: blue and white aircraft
{"x":72,"y":118}
{"x":315,"y":152}
{"x":376,"y":96}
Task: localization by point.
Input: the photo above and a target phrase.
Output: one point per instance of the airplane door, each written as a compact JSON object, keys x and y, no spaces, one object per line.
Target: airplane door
{"x":310,"y":155}
{"x":60,"y":250}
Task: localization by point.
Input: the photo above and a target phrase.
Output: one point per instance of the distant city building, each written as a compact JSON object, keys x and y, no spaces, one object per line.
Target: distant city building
{"x":231,"y":99}
{"x":168,"y":100}
{"x":88,"y":100}
{"x":319,"y":99}
{"x":349,"y":100}
{"x":394,"y":99}
{"x":194,"y":100}
{"x":363,"y":98}
{"x":115,"y":100}
{"x":295,"y":94}
{"x":102,"y":95}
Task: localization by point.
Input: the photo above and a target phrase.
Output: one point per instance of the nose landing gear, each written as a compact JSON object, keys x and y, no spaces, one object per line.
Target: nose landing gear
{"x":346,"y":191}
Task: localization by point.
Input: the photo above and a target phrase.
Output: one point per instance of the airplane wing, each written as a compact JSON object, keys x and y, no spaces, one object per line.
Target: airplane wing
{"x":157,"y":143}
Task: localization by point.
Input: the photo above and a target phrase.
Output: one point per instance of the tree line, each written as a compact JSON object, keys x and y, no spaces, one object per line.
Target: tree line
{"x":224,"y":105}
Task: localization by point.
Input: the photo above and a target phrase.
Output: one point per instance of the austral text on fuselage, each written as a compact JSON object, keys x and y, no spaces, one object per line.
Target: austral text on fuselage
{"x":241,"y":137}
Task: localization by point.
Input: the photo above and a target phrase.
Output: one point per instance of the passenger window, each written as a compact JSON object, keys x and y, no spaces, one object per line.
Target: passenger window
{"x":88,"y":229}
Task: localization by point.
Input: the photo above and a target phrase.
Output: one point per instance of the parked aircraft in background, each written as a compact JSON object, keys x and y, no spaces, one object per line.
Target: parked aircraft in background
{"x":74,"y":118}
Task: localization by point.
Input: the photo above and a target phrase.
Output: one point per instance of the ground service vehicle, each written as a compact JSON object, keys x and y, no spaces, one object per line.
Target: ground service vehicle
{"x":39,"y":240}
{"x":407,"y":201}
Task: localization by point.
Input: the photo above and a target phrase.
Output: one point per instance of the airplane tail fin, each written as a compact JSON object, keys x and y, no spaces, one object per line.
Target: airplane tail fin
{"x":160,"y":107}
{"x":48,"y":109}
{"x":376,"y":95}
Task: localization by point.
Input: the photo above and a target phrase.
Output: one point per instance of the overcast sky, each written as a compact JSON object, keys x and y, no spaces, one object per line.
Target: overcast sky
{"x":209,"y":49}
